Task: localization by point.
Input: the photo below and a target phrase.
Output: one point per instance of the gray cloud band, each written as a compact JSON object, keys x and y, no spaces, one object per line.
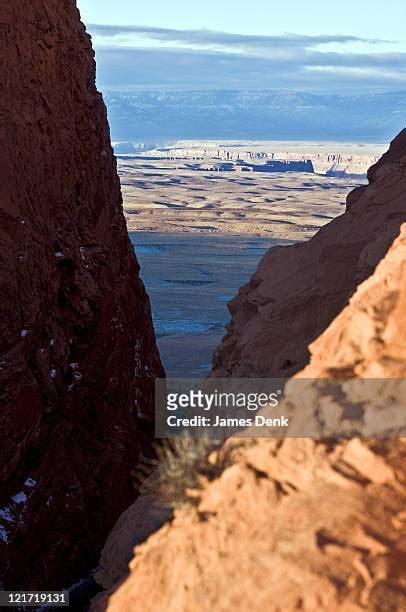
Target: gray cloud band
{"x":184,"y":59}
{"x":204,"y":37}
{"x":126,"y":67}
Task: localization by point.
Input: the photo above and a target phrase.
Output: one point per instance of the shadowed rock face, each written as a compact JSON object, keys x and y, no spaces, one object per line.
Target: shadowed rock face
{"x":77,"y":349}
{"x":298,"y":290}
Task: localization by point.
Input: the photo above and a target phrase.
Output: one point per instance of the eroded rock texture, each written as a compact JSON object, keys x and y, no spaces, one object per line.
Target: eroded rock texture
{"x":77,"y":349}
{"x":297,"y":524}
{"x":298,"y":290}
{"x":292,"y":525}
{"x":368,"y":338}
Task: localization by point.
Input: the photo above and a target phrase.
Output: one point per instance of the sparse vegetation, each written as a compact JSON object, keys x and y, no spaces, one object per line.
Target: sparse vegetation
{"x":180,"y":468}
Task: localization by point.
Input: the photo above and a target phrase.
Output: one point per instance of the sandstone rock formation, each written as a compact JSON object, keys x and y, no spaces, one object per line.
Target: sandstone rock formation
{"x":292,"y":525}
{"x":77,"y":349}
{"x":297,"y":524}
{"x":368,"y":338}
{"x":223,"y":157}
{"x":298,"y":290}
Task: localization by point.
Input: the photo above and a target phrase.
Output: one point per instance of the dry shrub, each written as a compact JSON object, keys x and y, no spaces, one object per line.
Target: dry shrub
{"x":181,"y":467}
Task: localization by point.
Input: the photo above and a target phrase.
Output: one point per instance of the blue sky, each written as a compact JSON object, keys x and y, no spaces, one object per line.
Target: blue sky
{"x":311,"y":45}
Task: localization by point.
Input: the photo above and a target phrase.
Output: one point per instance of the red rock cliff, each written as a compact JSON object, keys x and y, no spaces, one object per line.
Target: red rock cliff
{"x":77,"y":349}
{"x":298,"y":290}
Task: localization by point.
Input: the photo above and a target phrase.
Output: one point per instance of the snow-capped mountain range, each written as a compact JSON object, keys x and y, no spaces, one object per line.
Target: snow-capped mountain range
{"x":158,"y":115}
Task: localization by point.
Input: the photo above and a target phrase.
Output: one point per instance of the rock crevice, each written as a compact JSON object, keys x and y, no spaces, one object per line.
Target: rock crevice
{"x":303,"y":524}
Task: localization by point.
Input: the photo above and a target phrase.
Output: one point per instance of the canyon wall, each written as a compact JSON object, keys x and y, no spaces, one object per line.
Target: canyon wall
{"x":298,"y":290}
{"x":302,"y":524}
{"x":77,"y":349}
{"x":238,"y":158}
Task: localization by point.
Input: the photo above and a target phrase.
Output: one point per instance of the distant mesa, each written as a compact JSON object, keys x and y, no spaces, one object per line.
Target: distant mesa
{"x":126,"y":148}
{"x":339,"y":161}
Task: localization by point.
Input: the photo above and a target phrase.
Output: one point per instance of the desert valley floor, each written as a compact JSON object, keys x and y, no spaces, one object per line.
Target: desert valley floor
{"x":200,"y":218}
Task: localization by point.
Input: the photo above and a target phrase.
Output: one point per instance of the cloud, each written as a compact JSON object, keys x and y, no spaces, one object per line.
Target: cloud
{"x":206,"y":59}
{"x":128,"y":69}
{"x":213,"y":39}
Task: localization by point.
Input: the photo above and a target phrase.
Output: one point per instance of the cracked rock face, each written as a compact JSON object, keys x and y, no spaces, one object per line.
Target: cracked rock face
{"x":298,"y":290}
{"x":77,"y":349}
